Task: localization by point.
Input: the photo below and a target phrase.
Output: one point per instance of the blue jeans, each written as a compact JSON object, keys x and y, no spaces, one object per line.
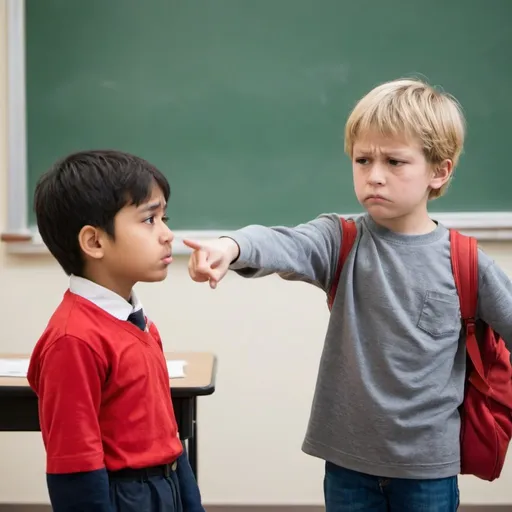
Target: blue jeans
{"x":350,"y":491}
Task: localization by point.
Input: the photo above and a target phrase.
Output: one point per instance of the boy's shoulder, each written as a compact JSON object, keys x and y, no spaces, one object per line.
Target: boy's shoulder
{"x":438,"y":242}
{"x":79,"y":320}
{"x":484,"y":261}
{"x":332,"y":222}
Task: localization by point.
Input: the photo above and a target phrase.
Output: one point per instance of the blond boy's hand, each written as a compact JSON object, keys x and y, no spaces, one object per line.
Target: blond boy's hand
{"x":211,"y":259}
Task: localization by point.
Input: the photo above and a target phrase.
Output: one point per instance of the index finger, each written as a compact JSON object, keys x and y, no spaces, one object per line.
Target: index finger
{"x":192,"y":244}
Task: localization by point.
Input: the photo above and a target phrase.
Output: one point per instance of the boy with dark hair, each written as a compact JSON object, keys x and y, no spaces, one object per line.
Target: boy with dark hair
{"x":99,"y":370}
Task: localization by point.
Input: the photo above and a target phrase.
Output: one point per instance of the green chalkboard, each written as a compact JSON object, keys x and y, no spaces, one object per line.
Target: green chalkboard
{"x":242,"y":103}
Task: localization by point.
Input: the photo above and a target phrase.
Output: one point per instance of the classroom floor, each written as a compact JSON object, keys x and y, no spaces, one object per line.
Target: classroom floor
{"x":269,"y":508}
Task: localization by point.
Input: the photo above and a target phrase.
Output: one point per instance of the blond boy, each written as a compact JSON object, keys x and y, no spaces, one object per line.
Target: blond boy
{"x":385,"y":412}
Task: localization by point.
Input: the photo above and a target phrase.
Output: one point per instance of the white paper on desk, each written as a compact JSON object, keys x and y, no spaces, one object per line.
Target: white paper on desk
{"x":14,"y":367}
{"x":176,"y":369}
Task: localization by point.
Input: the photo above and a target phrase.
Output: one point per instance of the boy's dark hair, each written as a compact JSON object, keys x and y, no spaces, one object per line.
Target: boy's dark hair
{"x":89,"y":188}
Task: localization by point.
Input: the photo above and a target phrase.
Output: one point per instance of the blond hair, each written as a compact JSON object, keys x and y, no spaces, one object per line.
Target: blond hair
{"x":412,"y":109}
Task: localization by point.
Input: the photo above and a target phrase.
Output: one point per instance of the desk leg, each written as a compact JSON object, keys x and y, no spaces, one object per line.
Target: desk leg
{"x":192,"y":442}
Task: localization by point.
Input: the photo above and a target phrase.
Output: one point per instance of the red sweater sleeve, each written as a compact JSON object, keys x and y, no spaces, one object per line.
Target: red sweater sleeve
{"x":70,"y":382}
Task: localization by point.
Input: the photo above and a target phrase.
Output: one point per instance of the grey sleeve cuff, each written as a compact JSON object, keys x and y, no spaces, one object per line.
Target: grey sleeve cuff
{"x":244,"y":246}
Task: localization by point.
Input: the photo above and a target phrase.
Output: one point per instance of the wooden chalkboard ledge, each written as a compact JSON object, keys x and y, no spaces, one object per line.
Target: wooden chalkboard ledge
{"x":23,"y":243}
{"x":15,"y":237}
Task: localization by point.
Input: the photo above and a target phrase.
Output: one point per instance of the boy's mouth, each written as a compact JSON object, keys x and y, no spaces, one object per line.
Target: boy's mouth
{"x":167,"y":259}
{"x":376,"y":198}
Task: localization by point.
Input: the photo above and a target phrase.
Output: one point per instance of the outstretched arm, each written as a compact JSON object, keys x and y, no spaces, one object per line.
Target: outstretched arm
{"x":308,"y":252}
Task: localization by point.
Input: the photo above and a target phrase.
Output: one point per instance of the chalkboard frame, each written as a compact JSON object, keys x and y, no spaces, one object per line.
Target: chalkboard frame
{"x":23,"y":238}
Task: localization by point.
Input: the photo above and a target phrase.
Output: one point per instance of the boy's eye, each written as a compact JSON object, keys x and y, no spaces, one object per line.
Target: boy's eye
{"x":151,"y":220}
{"x":394,"y":162}
{"x":362,"y":161}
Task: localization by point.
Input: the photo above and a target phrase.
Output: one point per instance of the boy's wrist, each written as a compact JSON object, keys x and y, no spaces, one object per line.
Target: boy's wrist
{"x":232,"y":248}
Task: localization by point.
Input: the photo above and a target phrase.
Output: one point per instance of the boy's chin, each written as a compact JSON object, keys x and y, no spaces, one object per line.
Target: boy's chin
{"x":383,"y":212}
{"x":155,"y":277}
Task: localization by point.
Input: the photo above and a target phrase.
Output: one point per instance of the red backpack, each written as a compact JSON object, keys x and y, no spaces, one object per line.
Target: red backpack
{"x":486,"y":412}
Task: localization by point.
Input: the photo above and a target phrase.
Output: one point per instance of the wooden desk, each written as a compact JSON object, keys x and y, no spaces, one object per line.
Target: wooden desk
{"x":19,"y":411}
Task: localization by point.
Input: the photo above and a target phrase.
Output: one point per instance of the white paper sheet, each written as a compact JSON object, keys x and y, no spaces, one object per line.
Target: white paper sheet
{"x":13,"y":367}
{"x":176,"y":369}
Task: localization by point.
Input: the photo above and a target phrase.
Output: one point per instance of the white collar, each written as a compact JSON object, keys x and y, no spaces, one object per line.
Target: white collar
{"x":104,"y":298}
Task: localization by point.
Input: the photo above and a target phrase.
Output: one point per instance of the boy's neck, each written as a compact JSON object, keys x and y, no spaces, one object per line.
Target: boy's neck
{"x":123,"y":288}
{"x":408,"y":224}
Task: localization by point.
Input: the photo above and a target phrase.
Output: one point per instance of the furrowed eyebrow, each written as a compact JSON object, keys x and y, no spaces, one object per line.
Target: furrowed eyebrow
{"x":395,"y":153}
{"x":152,"y":207}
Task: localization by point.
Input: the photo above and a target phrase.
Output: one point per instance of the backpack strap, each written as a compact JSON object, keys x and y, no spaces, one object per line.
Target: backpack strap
{"x":464,"y":257}
{"x":348,"y":237}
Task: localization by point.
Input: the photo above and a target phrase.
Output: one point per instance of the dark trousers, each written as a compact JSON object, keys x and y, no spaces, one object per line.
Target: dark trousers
{"x":350,"y":491}
{"x":178,"y":492}
{"x":156,"y":494}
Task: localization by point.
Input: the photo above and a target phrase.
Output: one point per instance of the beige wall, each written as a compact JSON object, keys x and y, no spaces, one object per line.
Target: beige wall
{"x":249,"y":445}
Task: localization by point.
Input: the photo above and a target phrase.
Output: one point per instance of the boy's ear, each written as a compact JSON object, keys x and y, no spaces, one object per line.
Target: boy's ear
{"x":442,"y":173}
{"x":92,"y":242}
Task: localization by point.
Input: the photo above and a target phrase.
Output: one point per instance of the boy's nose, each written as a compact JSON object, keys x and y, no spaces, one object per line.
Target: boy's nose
{"x":376,"y":175}
{"x":167,"y":235}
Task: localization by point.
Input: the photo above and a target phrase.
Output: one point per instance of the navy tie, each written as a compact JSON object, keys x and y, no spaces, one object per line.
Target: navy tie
{"x":137,"y":319}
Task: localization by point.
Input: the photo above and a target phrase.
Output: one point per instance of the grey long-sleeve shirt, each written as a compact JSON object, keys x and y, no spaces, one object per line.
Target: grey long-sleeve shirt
{"x":393,"y":364}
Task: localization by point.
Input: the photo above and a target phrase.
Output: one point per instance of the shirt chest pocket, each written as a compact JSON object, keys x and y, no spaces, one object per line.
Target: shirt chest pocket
{"x":440,"y":314}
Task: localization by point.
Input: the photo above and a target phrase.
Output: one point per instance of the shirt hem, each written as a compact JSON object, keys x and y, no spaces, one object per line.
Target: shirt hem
{"x":71,"y":465}
{"x":429,"y":471}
